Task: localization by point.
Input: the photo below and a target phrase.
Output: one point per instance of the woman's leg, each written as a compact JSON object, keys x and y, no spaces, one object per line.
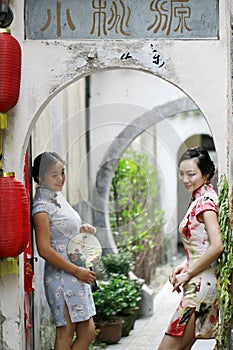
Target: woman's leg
{"x":65,"y":334}
{"x":85,"y":332}
{"x":180,"y":343}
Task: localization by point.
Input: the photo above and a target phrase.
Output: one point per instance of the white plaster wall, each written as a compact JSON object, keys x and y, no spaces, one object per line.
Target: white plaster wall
{"x":119,"y":97}
{"x":200,"y":68}
{"x":9,"y":305}
{"x":61,"y":128}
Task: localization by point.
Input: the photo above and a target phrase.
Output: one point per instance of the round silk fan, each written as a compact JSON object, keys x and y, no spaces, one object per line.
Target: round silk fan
{"x":84,"y":250}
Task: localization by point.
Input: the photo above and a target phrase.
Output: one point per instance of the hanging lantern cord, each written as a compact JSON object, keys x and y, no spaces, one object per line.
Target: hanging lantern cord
{"x":6,"y":14}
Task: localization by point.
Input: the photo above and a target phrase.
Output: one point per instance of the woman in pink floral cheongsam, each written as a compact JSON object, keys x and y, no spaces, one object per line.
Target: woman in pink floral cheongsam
{"x":197,"y":311}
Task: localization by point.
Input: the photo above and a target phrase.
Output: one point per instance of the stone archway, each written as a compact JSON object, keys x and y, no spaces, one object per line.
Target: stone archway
{"x":114,"y":153}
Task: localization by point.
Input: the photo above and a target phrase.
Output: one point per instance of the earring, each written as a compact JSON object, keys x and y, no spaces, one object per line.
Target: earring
{"x":41,"y":183}
{"x":205,"y":183}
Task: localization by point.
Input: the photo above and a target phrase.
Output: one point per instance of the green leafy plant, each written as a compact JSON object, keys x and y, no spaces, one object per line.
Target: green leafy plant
{"x":97,"y":345}
{"x":225,"y":267}
{"x":116,"y":297}
{"x":121,"y":262}
{"x":136,"y":218}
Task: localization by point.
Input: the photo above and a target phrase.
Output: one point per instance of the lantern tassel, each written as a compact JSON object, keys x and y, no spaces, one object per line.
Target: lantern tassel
{"x":3,"y":125}
{"x":3,"y":120}
{"x":1,"y":169}
{"x":8,"y":266}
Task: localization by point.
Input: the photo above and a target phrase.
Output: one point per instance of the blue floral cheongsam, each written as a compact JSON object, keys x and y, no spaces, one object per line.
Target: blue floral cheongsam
{"x":61,"y":287}
{"x":200,"y":293}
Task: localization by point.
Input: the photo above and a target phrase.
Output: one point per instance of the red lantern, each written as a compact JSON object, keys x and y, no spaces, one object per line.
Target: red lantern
{"x":14,"y":216}
{"x":10,"y":70}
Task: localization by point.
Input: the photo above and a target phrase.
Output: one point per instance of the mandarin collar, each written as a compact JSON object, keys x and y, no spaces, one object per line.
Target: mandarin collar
{"x":200,"y":191}
{"x":45,"y":192}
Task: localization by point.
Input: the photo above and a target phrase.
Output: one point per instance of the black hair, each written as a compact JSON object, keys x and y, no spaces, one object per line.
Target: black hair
{"x":42,"y":163}
{"x":204,"y":162}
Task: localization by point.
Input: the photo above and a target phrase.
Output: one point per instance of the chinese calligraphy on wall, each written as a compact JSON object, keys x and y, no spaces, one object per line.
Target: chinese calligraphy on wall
{"x":121,"y":19}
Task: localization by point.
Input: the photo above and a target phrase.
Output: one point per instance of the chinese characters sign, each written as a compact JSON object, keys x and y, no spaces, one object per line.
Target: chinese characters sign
{"x":121,"y":19}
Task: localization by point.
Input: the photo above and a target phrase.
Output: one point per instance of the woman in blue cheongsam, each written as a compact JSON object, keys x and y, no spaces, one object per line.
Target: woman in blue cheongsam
{"x":67,"y":286}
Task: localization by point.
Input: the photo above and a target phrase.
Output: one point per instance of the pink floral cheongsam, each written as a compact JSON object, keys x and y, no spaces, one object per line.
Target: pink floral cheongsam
{"x":61,"y":287}
{"x":200,"y":293}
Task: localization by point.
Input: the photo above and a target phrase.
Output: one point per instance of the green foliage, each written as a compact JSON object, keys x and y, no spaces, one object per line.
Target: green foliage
{"x":121,"y":263}
{"x":97,"y":345}
{"x":134,"y":183}
{"x":116,"y":296}
{"x":225,"y":267}
{"x":135,"y":216}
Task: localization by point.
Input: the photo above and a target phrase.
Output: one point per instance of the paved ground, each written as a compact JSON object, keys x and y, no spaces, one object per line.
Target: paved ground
{"x":148,"y":332}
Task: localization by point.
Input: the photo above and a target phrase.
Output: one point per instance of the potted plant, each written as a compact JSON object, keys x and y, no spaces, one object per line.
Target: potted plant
{"x":108,"y":324}
{"x":131,"y":291}
{"x":116,"y":298}
{"x":121,"y":262}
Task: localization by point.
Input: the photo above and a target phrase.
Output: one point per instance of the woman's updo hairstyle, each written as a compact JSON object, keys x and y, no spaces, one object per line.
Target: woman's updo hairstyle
{"x":204,"y":162}
{"x":42,"y":163}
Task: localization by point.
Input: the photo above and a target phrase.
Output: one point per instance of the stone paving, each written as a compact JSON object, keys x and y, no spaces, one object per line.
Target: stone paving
{"x":148,"y":331}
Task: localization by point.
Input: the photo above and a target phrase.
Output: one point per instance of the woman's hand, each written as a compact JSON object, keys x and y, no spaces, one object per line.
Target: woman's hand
{"x":85,"y":275}
{"x":179,"y":280}
{"x":87,"y":228}
{"x":178,"y":270}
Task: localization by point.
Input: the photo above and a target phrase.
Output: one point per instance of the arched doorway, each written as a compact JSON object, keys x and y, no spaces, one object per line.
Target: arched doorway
{"x":92,"y":133}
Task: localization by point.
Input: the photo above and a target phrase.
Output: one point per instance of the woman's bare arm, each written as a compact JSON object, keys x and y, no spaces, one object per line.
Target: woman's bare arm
{"x":215,"y":249}
{"x":42,"y":229}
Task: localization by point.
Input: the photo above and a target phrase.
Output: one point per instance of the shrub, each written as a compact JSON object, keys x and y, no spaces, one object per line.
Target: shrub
{"x":136,"y":218}
{"x":116,"y":297}
{"x":121,"y":263}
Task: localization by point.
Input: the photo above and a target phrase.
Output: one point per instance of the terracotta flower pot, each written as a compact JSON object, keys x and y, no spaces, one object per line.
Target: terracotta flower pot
{"x":129,"y":319}
{"x":109,"y":332}
{"x":128,"y":324}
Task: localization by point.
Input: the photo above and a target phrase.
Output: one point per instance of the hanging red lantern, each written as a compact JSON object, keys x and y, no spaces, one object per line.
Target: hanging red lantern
{"x":10,"y":70}
{"x":14,"y":216}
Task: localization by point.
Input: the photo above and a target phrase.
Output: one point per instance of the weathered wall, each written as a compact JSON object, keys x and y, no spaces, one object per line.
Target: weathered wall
{"x":199,"y":68}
